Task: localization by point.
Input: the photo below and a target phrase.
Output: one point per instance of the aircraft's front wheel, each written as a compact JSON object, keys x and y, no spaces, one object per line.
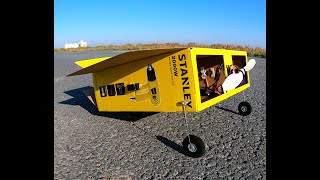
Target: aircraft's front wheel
{"x":244,"y":108}
{"x":194,"y":147}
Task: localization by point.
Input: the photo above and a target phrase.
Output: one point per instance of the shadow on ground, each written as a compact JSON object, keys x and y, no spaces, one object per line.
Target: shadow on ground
{"x":164,"y":140}
{"x":171,"y":144}
{"x":225,"y":109}
{"x":80,"y":99}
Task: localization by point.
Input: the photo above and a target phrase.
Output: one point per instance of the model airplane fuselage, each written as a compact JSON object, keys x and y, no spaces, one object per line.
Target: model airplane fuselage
{"x":159,"y":80}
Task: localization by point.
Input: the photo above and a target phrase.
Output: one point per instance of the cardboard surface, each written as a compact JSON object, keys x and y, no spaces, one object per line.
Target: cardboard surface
{"x":159,"y":89}
{"x":164,"y":78}
{"x":90,"y":95}
{"x":123,"y":59}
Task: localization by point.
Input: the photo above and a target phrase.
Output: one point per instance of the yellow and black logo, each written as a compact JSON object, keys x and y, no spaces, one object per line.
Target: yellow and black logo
{"x":152,"y":87}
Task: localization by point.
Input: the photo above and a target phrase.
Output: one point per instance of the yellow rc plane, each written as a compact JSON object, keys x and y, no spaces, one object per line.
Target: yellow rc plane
{"x":168,"y":80}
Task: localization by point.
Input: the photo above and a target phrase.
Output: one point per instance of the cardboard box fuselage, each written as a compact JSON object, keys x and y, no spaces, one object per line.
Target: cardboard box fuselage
{"x":162,"y":81}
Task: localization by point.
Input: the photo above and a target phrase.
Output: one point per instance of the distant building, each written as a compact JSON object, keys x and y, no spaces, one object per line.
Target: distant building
{"x":83,"y":44}
{"x":76,"y":45}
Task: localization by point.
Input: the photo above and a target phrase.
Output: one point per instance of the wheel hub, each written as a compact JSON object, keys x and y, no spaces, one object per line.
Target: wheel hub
{"x":244,"y":109}
{"x":192,"y":147}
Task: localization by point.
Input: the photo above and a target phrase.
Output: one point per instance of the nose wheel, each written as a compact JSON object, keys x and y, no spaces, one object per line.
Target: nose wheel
{"x":244,"y":108}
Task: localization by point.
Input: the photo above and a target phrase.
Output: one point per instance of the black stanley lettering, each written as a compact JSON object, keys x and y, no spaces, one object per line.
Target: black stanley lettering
{"x":189,"y":104}
{"x":183,"y":57}
{"x":185,"y":64}
{"x":185,"y":88}
{"x":185,"y":79}
{"x":186,"y":96}
{"x":183,"y":72}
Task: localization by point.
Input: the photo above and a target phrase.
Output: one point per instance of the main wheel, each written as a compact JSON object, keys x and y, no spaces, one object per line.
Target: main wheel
{"x":195,"y":147}
{"x":244,"y":108}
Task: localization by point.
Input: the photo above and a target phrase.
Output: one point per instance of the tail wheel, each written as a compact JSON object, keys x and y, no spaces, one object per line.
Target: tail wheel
{"x":244,"y":108}
{"x":195,"y":147}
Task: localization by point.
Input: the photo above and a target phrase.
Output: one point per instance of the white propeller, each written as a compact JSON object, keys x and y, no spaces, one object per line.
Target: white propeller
{"x":233,"y":80}
{"x":250,"y":65}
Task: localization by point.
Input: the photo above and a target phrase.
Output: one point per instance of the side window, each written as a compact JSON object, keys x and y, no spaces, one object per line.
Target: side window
{"x":240,"y":61}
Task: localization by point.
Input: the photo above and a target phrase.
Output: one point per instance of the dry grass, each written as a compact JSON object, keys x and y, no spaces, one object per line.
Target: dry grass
{"x":252,"y":52}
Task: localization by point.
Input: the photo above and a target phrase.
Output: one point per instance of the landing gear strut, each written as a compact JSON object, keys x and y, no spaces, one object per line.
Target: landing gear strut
{"x":193,"y":145}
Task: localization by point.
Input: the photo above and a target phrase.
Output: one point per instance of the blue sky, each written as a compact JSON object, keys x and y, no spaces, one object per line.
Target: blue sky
{"x":105,"y":22}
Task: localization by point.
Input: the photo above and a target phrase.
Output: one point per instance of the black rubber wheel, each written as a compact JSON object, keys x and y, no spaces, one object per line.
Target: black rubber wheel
{"x":244,"y":108}
{"x":196,"y":148}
